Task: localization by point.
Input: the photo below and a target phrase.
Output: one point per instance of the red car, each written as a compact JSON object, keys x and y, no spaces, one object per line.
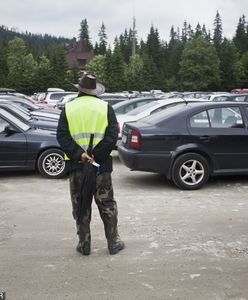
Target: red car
{"x":239,"y":91}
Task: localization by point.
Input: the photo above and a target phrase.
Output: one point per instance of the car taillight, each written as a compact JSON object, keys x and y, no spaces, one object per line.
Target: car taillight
{"x":135,"y":140}
{"x":119,"y":130}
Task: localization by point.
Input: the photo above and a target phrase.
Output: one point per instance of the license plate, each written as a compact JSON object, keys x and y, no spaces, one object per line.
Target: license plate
{"x":124,"y":139}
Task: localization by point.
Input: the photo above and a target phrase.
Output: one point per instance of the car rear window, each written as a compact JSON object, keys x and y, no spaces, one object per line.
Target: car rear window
{"x":57,"y":96}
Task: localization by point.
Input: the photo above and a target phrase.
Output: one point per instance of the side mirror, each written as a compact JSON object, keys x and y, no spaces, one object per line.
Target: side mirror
{"x":9,"y":129}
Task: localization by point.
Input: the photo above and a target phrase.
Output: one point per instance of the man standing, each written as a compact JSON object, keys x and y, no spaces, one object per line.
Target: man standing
{"x":87,"y":132}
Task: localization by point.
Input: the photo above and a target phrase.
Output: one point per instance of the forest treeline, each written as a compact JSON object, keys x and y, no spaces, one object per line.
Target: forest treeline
{"x":193,"y":59}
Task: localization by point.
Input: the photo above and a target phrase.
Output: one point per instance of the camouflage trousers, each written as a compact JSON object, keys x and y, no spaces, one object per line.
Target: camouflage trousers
{"x":104,"y":198}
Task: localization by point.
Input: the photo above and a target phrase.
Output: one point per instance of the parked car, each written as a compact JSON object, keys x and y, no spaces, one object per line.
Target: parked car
{"x":234,"y":97}
{"x":14,"y":93}
{"x":34,"y":109}
{"x":52,"y":96}
{"x":189,"y":143}
{"x":24,"y":147}
{"x":67,"y":98}
{"x":124,"y":107}
{"x":26,"y":117}
{"x":196,"y":95}
{"x":216,"y":96}
{"x":240,"y":91}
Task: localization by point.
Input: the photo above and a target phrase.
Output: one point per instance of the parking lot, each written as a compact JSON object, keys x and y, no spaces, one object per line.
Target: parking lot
{"x":179,"y":244}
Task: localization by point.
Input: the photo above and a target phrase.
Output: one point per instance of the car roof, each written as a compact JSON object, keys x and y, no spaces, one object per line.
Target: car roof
{"x":192,"y":107}
{"x":161,"y":102}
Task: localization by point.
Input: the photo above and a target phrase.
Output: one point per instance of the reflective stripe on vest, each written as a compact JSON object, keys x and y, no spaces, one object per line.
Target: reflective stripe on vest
{"x":87,"y":115}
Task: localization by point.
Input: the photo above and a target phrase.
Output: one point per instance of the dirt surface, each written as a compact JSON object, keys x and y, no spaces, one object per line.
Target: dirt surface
{"x":179,"y":244}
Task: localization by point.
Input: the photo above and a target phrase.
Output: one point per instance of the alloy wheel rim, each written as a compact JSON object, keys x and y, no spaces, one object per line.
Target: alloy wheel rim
{"x":53,"y":164}
{"x":192,"y":172}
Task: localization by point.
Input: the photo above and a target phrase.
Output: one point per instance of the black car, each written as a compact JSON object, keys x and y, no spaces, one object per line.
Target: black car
{"x":34,"y":109}
{"x":26,"y":117}
{"x":23,"y":147}
{"x":189,"y":142}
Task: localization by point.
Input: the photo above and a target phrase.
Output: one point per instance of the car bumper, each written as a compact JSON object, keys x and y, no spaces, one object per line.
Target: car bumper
{"x":156,"y":162}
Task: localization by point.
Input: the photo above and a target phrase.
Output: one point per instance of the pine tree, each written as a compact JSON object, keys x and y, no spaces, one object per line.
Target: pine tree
{"x":217,"y":37}
{"x":125,"y":43}
{"x":244,"y":63}
{"x":102,"y":46}
{"x":198,"y":30}
{"x":117,"y":82}
{"x":59,"y":66}
{"x":241,"y":37}
{"x":190,"y":32}
{"x":204,"y":32}
{"x":3,"y":66}
{"x":96,"y":49}
{"x":84,"y":34}
{"x":154,"y":46}
{"x":230,"y":67}
{"x":185,"y":32}
{"x":108,"y":70}
{"x":173,"y":55}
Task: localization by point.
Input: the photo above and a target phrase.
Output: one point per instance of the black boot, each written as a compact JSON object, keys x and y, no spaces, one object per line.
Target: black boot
{"x":83,"y":248}
{"x":84,"y":243}
{"x":115,"y":246}
{"x":108,"y":212}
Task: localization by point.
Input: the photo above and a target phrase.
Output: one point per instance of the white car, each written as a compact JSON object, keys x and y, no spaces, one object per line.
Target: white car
{"x":217,"y":96}
{"x":52,"y":96}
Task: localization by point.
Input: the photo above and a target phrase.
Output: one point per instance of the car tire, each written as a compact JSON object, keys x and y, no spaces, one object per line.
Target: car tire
{"x":190,"y":171}
{"x":51,"y":163}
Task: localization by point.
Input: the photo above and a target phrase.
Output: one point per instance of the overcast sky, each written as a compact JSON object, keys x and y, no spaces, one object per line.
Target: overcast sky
{"x":62,"y":17}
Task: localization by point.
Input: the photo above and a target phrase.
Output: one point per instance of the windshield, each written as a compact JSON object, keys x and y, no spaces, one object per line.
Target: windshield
{"x":15,"y":121}
{"x":20,"y":111}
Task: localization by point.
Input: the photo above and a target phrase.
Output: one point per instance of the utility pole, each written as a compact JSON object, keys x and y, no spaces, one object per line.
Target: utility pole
{"x":134,"y":38}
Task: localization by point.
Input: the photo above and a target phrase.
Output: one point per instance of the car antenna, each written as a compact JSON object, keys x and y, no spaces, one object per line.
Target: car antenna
{"x":186,"y":102}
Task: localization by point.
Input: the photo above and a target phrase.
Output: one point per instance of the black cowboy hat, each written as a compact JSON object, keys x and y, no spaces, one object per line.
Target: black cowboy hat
{"x":88,"y":85}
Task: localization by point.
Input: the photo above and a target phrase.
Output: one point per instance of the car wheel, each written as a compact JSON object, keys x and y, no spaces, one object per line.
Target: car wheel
{"x":51,"y":163}
{"x":190,"y":171}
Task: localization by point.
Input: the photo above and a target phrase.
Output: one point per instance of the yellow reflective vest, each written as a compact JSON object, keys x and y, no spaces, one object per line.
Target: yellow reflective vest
{"x":87,"y":115}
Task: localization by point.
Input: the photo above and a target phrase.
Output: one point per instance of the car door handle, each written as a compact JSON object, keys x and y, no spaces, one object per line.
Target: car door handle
{"x":205,"y":138}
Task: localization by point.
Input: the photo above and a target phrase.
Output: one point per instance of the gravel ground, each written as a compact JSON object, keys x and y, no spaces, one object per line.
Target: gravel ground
{"x":179,"y":244}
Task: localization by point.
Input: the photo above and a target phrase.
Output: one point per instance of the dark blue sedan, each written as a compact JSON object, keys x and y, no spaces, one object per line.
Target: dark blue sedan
{"x":25,"y":147}
{"x":189,"y":143}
